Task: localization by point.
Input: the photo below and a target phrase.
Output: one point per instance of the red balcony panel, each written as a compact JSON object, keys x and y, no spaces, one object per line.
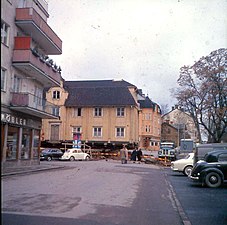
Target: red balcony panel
{"x":22,"y":42}
{"x":31,"y":22}
{"x":31,"y":65}
{"x":20,"y":99}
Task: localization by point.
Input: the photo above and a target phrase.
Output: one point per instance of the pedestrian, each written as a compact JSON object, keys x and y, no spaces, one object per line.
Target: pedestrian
{"x":134,"y":154}
{"x":124,"y":155}
{"x":139,"y":155}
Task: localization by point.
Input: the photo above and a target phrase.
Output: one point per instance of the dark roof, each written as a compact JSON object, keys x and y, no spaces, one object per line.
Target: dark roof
{"x":98,"y":93}
{"x":147,"y":103}
{"x":97,"y":83}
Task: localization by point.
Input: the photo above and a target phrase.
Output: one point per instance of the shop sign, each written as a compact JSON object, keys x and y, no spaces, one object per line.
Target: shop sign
{"x":8,"y":118}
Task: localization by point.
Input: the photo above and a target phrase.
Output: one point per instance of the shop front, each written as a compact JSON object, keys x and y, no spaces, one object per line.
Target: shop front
{"x":20,"y":140}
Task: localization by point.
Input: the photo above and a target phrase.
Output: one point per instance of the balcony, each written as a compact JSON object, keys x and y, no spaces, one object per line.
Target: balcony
{"x":30,"y":104}
{"x":33,"y":64}
{"x":34,"y":25}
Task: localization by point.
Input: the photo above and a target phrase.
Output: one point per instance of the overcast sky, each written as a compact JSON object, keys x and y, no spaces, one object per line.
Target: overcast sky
{"x":144,"y":42}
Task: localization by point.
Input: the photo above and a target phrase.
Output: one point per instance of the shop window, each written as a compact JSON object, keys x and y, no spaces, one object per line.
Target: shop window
{"x":26,"y":144}
{"x":36,"y":142}
{"x":12,"y":143}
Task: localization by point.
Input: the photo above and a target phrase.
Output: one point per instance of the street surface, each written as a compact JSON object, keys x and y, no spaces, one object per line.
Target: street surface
{"x":108,"y":193}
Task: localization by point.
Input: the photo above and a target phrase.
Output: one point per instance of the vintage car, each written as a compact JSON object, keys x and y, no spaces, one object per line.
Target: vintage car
{"x":183,"y":165}
{"x":50,"y":153}
{"x":75,"y":154}
{"x":213,"y":170}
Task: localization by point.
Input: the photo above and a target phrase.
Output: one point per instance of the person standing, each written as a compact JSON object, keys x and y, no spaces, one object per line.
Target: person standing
{"x":139,"y":155}
{"x":134,"y":154}
{"x":124,"y":155}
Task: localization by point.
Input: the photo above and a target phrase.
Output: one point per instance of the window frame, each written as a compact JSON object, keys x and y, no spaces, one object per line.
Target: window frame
{"x":56,"y":94}
{"x":120,"y":111}
{"x":97,"y":132}
{"x":5,"y":28}
{"x":3,"y":79}
{"x":121,"y":131}
{"x":98,"y":111}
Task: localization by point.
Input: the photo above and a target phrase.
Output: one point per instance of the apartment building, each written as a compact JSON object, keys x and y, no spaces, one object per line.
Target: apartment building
{"x":27,"y":43}
{"x":104,"y":113}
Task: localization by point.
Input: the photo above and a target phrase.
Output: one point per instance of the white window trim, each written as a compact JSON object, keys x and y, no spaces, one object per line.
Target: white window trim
{"x":98,"y":110}
{"x":4,"y":40}
{"x":120,"y":132}
{"x":97,"y":132}
{"x":122,"y":110}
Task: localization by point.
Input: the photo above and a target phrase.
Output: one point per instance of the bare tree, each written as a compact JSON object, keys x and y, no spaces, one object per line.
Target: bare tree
{"x":164,"y":108}
{"x":202,"y":92}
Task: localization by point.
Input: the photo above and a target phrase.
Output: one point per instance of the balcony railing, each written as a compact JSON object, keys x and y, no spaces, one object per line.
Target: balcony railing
{"x":32,"y":23}
{"x":28,"y":103}
{"x":36,"y":67}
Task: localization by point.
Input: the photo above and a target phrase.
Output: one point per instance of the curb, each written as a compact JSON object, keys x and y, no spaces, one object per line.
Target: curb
{"x":29,"y":171}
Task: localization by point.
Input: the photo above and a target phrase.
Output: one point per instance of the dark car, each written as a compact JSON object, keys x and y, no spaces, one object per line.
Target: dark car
{"x":50,"y":153}
{"x":213,"y":170}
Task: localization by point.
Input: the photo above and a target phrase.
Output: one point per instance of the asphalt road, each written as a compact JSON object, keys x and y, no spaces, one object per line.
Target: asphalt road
{"x":92,"y":192}
{"x":202,"y":205}
{"x":109,"y":193}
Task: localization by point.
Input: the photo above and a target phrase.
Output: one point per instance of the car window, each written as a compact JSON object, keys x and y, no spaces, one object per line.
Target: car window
{"x":222,"y":158}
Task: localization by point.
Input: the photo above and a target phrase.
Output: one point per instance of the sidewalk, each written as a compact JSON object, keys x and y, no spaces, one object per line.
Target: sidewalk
{"x":27,"y":169}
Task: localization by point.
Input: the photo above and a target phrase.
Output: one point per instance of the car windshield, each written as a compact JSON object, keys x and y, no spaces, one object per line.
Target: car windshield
{"x":45,"y":150}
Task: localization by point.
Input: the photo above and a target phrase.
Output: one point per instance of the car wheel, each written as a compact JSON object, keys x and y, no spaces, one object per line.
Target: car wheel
{"x":71,"y":158}
{"x":187,"y":170}
{"x":87,"y":158}
{"x":49,"y":158}
{"x":213,"y":180}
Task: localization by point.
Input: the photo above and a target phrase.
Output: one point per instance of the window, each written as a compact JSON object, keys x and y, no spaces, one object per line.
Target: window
{"x":54,"y":132}
{"x":120,"y":132}
{"x":97,"y":132}
{"x":26,"y":143}
{"x":12,"y":142}
{"x":36,"y":144}
{"x":37,"y":97}
{"x":56,"y":94}
{"x":77,"y":129}
{"x":17,"y":84}
{"x":3,"y":79}
{"x":55,"y":111}
{"x":78,"y":112}
{"x":98,"y":111}
{"x":120,"y":111}
{"x":4,"y":33}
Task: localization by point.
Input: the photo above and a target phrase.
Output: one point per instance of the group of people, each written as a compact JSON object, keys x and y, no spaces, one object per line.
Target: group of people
{"x":135,"y":155}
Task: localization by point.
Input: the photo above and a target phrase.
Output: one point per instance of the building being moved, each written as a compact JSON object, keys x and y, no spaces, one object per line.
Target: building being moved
{"x":104,"y":113}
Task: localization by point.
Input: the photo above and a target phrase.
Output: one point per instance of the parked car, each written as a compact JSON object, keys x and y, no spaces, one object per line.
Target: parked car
{"x":183,"y":165}
{"x":50,"y":153}
{"x":75,"y":154}
{"x":213,"y":170}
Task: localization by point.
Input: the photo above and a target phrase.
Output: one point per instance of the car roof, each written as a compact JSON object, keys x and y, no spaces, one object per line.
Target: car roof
{"x":213,"y":155}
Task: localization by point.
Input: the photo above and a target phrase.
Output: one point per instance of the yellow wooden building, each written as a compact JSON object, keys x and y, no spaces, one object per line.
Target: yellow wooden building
{"x":105,"y":113}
